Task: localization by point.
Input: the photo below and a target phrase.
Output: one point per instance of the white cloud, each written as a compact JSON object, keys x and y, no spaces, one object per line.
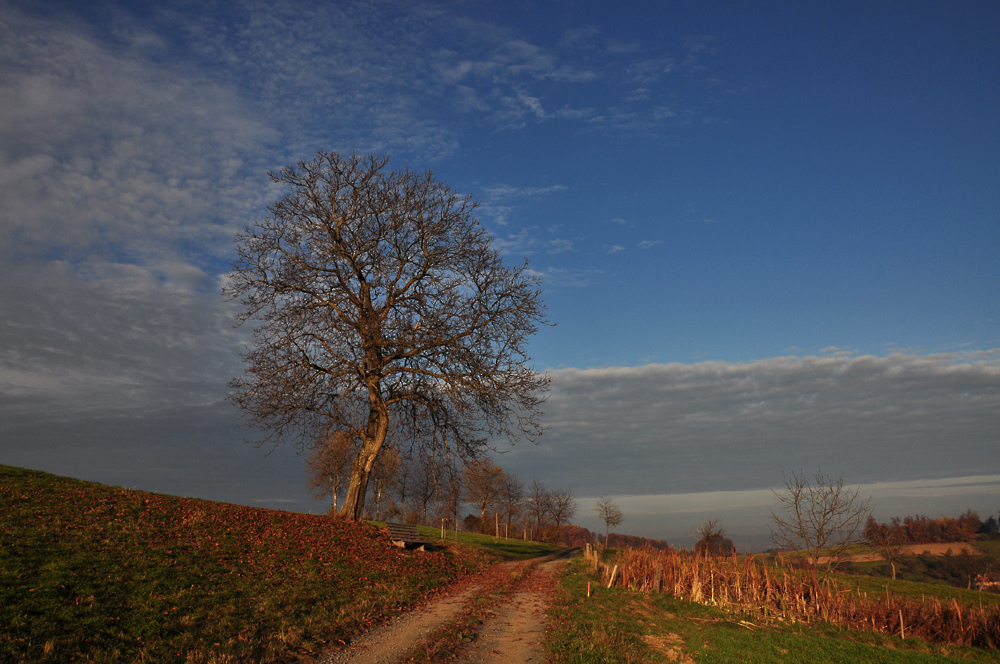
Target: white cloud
{"x":649,"y":244}
{"x":108,"y":152}
{"x":559,"y":246}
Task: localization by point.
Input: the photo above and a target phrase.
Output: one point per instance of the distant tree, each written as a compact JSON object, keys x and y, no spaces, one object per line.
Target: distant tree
{"x":609,"y":512}
{"x":384,"y":475}
{"x":380,"y":302}
{"x":450,"y":492}
{"x":329,"y":464}
{"x":424,"y":483}
{"x":819,"y":516}
{"x":511,"y":499}
{"x":402,"y":490}
{"x":990,"y":527}
{"x":539,"y":504}
{"x":887,"y":539}
{"x":563,"y":506}
{"x":712,"y":540}
{"x":484,"y":482}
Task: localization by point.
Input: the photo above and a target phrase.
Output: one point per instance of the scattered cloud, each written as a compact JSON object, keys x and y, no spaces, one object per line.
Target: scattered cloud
{"x":836,"y":351}
{"x":649,"y":244}
{"x":613,"y":248}
{"x":522,"y":243}
{"x":116,"y":154}
{"x":559,"y":246}
{"x":555,"y":277}
{"x":499,"y":192}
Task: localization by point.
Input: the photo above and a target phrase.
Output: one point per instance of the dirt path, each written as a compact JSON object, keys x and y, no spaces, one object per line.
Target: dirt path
{"x":512,"y":632}
{"x":387,"y":644}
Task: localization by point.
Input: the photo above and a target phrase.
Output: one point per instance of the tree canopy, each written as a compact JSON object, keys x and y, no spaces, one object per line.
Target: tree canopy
{"x":380,"y":305}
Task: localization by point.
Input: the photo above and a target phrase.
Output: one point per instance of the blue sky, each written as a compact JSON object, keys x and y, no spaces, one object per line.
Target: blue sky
{"x":767,"y":232}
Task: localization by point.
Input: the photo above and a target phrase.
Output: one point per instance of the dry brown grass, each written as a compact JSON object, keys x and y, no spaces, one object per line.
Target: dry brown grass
{"x":782,"y":593}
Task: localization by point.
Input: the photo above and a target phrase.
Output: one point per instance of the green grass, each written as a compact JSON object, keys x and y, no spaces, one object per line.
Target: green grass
{"x":92,"y":573}
{"x":505,"y":549}
{"x":619,"y":625}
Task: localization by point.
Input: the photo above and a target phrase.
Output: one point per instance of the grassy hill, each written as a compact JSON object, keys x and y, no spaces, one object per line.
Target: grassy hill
{"x":92,"y":573}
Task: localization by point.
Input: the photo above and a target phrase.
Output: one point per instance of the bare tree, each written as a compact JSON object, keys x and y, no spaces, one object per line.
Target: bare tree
{"x":563,"y":506}
{"x":712,"y":540}
{"x":609,"y":512}
{"x":511,"y":499}
{"x":887,"y":539}
{"x":484,"y":483}
{"x":329,"y":464}
{"x":380,"y":301}
{"x":539,"y":504}
{"x":450,"y":492}
{"x":384,"y":475}
{"x":403,"y":487}
{"x":424,"y":483}
{"x":818,"y":515}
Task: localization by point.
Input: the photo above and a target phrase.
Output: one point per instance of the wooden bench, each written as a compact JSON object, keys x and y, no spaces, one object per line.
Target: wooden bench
{"x":407,"y":537}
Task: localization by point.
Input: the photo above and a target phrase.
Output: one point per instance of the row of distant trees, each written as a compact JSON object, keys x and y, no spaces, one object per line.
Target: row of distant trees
{"x":920,"y":529}
{"x":426,"y":488}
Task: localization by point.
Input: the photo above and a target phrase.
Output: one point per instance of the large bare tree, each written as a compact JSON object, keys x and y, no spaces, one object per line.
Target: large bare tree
{"x":380,"y":303}
{"x":818,"y":515}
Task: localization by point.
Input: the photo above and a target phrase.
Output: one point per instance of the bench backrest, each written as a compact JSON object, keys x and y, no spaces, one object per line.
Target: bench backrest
{"x":403,"y":531}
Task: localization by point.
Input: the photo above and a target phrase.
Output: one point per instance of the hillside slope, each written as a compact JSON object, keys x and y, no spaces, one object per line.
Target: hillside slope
{"x":99,"y":573}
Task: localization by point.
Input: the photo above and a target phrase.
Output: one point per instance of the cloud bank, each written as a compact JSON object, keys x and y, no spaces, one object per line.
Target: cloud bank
{"x":719,"y":426}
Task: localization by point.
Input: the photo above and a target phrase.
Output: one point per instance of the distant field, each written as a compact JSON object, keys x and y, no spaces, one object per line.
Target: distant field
{"x":867,"y":555}
{"x":92,"y":573}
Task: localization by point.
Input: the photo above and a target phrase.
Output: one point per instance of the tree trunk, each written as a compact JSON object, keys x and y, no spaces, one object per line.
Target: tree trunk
{"x":378,"y":427}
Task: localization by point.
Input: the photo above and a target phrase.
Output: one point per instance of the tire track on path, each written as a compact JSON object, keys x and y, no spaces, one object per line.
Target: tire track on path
{"x":513,"y":631}
{"x":388,"y":643}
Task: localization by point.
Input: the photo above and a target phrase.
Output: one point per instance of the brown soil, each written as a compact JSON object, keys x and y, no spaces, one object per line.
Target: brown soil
{"x":512,"y":632}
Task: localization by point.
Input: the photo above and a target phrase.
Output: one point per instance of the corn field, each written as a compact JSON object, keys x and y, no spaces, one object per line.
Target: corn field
{"x":782,"y":593}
